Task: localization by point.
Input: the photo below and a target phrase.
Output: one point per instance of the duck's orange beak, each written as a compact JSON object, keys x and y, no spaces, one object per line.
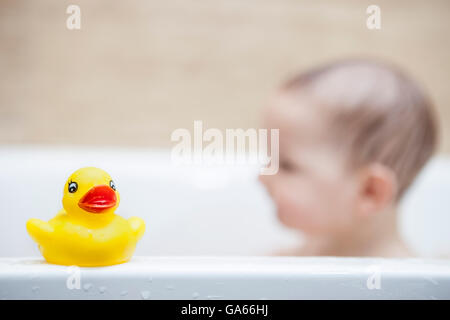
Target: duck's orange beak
{"x":98,"y":199}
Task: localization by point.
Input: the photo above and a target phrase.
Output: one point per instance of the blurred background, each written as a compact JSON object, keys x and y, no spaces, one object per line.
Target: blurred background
{"x":137,"y":70}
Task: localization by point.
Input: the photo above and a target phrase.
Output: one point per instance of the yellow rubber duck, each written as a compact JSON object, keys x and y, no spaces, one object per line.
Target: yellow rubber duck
{"x":87,"y":232}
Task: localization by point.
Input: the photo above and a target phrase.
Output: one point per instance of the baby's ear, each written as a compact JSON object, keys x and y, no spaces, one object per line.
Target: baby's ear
{"x":378,"y":189}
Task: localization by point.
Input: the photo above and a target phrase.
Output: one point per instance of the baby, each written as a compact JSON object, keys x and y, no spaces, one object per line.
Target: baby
{"x":353,"y":136}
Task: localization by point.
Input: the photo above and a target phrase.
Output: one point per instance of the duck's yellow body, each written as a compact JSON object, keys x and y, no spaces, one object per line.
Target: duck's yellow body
{"x":86,"y":232}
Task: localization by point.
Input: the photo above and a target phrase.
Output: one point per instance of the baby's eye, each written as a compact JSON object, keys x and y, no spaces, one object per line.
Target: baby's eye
{"x":73,"y":187}
{"x":287,"y":166}
{"x":112,"y":185}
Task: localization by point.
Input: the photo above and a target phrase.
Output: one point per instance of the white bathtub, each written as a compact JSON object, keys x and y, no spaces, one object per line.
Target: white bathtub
{"x":221,"y":214}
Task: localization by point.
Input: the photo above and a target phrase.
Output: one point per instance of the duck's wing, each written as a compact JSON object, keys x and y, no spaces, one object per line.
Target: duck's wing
{"x":138,"y":226}
{"x":39,"y":230}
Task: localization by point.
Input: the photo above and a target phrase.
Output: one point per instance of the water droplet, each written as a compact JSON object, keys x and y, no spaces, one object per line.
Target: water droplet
{"x":102,"y":289}
{"x":35,"y":289}
{"x":150,"y":279}
{"x":195,"y":295}
{"x":34,"y":277}
{"x":123,"y":293}
{"x":145,"y":294}
{"x":432,"y":280}
{"x":87,"y":287}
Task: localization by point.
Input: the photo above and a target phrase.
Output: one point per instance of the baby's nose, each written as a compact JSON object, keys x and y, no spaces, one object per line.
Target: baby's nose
{"x":260,"y":178}
{"x":263,"y":179}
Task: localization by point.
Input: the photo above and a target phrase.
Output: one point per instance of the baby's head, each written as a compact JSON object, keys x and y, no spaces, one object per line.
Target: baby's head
{"x":353,"y":136}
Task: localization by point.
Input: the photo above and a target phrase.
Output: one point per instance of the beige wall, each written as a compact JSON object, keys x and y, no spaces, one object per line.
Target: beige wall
{"x":139,"y":69}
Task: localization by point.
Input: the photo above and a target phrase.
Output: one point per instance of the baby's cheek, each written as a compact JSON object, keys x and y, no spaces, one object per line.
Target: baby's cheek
{"x":290,"y":210}
{"x":305,"y":211}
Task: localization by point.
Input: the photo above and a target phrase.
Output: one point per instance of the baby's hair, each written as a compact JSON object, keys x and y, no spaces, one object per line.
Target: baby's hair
{"x":379,"y":112}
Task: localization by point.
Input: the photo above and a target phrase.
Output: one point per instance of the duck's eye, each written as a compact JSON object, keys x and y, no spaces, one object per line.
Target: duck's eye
{"x":112,"y":185}
{"x":73,"y":187}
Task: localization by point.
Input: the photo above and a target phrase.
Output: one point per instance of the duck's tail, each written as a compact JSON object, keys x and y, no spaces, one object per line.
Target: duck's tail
{"x":40,"y":231}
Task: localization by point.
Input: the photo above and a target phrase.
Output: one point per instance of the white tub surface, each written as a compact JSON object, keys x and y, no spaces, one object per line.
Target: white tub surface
{"x":202,"y":213}
{"x":200,"y":210}
{"x":230,"y":278}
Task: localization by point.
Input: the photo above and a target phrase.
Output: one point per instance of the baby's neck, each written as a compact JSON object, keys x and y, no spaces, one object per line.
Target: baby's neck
{"x":378,"y":237}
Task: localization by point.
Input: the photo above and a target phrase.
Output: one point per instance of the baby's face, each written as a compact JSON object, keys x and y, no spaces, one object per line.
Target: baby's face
{"x":314,"y":190}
